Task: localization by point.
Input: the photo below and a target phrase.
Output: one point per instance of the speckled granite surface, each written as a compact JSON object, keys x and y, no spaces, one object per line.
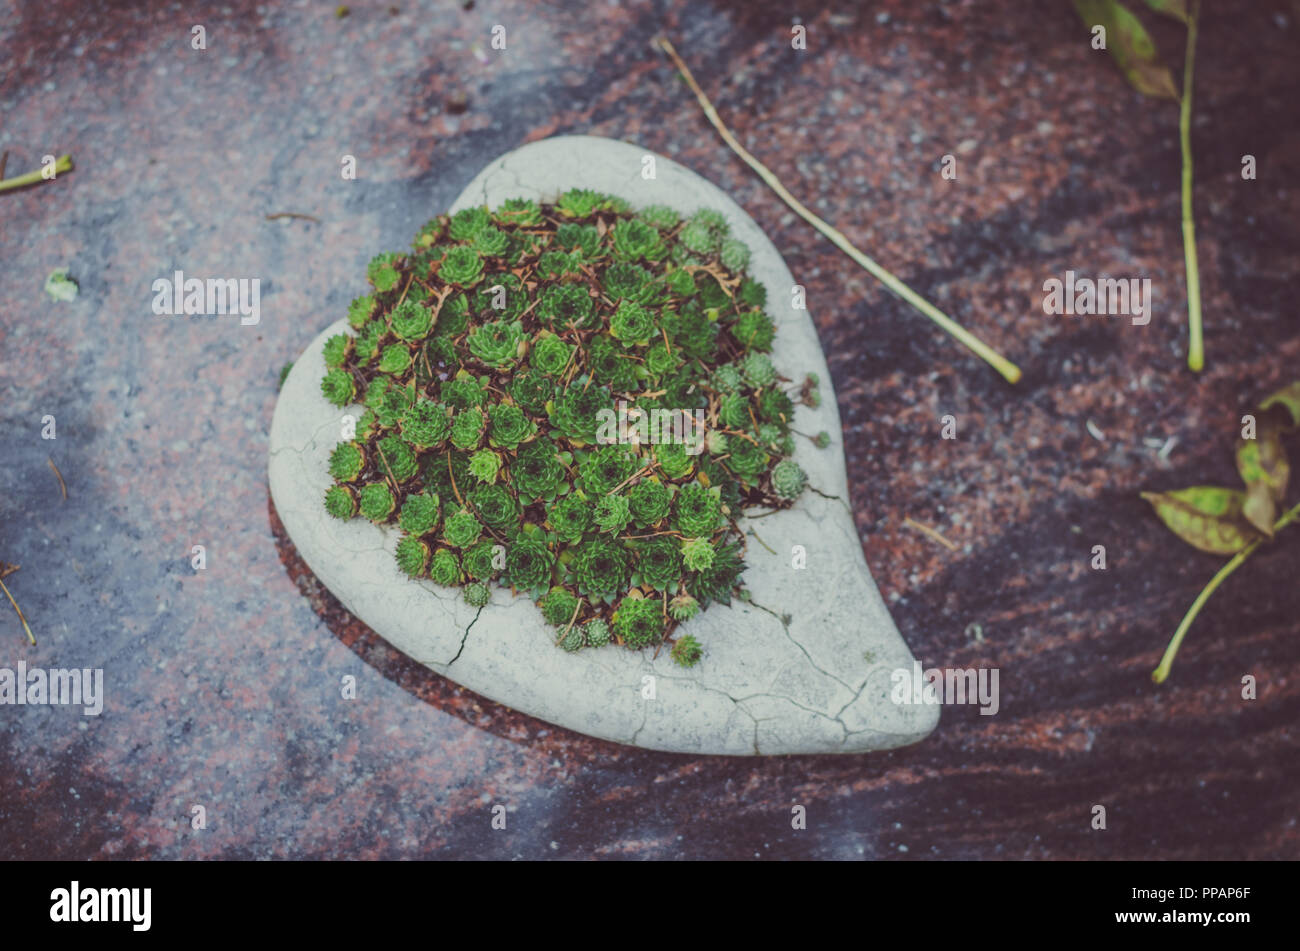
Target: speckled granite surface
{"x":222,"y":686}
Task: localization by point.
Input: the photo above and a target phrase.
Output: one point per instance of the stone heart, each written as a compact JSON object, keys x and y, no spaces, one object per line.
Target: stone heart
{"x":805,"y":667}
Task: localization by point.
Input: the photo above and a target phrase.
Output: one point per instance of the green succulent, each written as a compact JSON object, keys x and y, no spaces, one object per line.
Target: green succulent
{"x":576,"y":412}
{"x":532,"y":391}
{"x":444,"y":568}
{"x":674,"y":460}
{"x":626,"y":281}
{"x":734,"y":255}
{"x":758,"y":370}
{"x":659,"y":563}
{"x":697,"y":238}
{"x":580,"y":203}
{"x":733,"y":411}
{"x":411,"y":321}
{"x":565,"y":305}
{"x":775,"y":407}
{"x":596,"y":632}
{"x":463,"y":391}
{"x":484,"y":465}
{"x":336,"y":350}
{"x":610,"y":365}
{"x":813,"y":397}
{"x":575,"y":237}
{"x":468,"y":222}
{"x":395,"y":359}
{"x":632,"y":324}
{"x":496,"y":343}
{"x":495,"y":506}
{"x":754,"y":330}
{"x":727,"y":379}
{"x":550,"y":355}
{"x":660,"y":217}
{"x":659,"y":359}
{"x":697,"y":553}
{"x":683,"y":607}
{"x":687,"y":651}
{"x":599,"y":568}
{"x":505,"y":290}
{"x":382,"y":271}
{"x":696,"y":510}
{"x":508,"y":426}
{"x":536,"y":472}
{"x":366,"y":343}
{"x":529,"y":564}
{"x":491,"y":242}
{"x":479,"y":561}
{"x":453,"y":316}
{"x":558,"y":264}
{"x":360,"y":311}
{"x":463,"y":266}
{"x":649,"y":502}
{"x":377,"y":502}
{"x":346,"y":462}
{"x":612,"y":514}
{"x":391,"y":403}
{"x":477,"y":594}
{"x":573,"y":640}
{"x":788,"y":479}
{"x":638,"y":622}
{"x":634,"y":240}
{"x":681,"y":283}
{"x":396,"y":458}
{"x":569,"y":517}
{"x":419,"y":515}
{"x":467,"y":429}
{"x":559,"y":606}
{"x":752,"y":293}
{"x":340,"y":502}
{"x":605,"y":468}
{"x":522,"y":212}
{"x":747,"y":459}
{"x":426,"y":424}
{"x":716,"y":582}
{"x":822,"y":439}
{"x":460,"y":529}
{"x":412,"y":556}
{"x":338,"y":387}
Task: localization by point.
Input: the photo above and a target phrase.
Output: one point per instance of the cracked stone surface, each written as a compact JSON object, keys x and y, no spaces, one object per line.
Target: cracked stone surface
{"x":803,"y":668}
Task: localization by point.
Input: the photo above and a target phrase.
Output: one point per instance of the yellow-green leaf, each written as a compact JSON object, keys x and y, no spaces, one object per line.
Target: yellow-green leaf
{"x":1289,"y":399}
{"x":1170,"y":8}
{"x":1131,"y":46}
{"x":1260,"y":509}
{"x":1262,"y":461}
{"x":1206,"y":517}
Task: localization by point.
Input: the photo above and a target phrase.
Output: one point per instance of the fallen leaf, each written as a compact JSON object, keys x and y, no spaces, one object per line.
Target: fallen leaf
{"x":1207,"y":517}
{"x":1289,"y":399}
{"x":1260,"y":509}
{"x":1262,"y":461}
{"x":1131,"y":45}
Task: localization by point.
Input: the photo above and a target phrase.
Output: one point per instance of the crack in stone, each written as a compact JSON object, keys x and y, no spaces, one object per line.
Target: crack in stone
{"x":465,"y":637}
{"x":785,"y":626}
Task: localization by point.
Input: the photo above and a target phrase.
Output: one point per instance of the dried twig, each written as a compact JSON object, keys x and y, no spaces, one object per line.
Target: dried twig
{"x":1000,"y":363}
{"x":932,"y":533}
{"x":292,"y":214}
{"x":8,"y":570}
{"x":62,"y":485}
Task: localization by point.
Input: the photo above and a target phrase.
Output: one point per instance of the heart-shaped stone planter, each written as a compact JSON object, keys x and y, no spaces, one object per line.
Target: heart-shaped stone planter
{"x":805,"y":667}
